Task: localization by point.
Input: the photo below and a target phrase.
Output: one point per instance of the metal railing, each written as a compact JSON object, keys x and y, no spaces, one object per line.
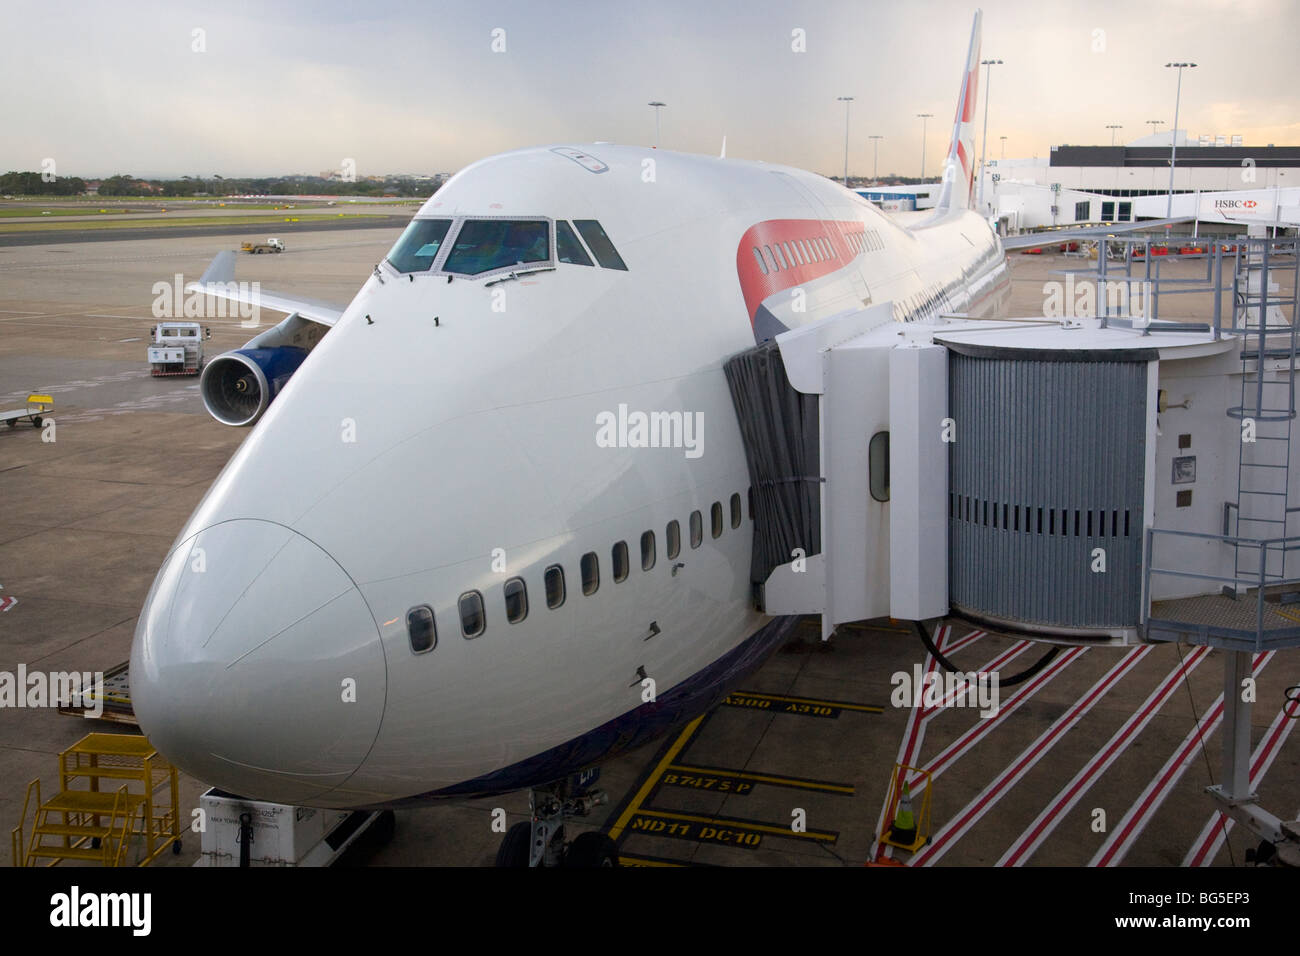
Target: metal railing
{"x":1235,"y":252}
{"x":1264,"y":632}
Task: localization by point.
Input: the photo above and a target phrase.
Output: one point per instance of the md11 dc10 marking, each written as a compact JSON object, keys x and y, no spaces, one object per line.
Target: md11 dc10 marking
{"x":459,"y":590}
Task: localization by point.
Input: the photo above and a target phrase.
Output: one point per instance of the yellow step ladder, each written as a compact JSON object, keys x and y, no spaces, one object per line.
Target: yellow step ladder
{"x":87,"y":824}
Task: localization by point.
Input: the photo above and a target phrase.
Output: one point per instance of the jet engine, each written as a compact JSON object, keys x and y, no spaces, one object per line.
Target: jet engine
{"x":237,"y":387}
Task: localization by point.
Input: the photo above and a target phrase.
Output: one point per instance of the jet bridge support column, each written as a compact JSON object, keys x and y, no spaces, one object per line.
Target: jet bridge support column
{"x":1234,"y":793}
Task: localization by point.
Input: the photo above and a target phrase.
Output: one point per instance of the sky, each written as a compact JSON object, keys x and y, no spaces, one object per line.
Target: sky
{"x":277,"y":87}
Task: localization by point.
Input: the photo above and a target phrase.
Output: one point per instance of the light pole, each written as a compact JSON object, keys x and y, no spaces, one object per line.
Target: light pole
{"x":1153,"y":124}
{"x":923,"y":117}
{"x":658,"y":106}
{"x":846,"y":100}
{"x":1004,"y":148}
{"x":875,"y":156}
{"x":1112,"y":129}
{"x":1173,"y":139}
{"x":988,"y":73}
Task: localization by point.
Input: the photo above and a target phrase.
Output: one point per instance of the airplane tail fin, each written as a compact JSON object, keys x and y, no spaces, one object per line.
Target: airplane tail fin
{"x":959,"y":167}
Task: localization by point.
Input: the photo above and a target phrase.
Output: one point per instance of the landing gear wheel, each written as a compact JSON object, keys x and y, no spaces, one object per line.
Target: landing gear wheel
{"x":37,"y":421}
{"x":11,"y":422}
{"x":515,"y":845}
{"x":591,"y":849}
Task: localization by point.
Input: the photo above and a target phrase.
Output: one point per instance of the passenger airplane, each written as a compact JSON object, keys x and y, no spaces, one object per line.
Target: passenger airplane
{"x":423,"y":575}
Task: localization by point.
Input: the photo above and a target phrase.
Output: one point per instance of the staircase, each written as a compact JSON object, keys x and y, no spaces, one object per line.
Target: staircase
{"x":87,"y":823}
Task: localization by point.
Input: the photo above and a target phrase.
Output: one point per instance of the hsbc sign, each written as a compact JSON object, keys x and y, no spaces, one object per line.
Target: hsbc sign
{"x":1235,"y":204}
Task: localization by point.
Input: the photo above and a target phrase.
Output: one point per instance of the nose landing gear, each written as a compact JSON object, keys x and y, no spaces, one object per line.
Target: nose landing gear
{"x":540,"y":841}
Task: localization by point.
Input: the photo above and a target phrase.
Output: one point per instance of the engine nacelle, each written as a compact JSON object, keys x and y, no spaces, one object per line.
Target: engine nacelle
{"x":237,"y":387}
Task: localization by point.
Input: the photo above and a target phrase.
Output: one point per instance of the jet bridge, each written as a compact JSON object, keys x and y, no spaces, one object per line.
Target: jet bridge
{"x":1050,"y":478}
{"x":1113,"y":479}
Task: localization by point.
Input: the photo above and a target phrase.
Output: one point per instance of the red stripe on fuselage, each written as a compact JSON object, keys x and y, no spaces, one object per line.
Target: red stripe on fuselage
{"x":757,"y":286}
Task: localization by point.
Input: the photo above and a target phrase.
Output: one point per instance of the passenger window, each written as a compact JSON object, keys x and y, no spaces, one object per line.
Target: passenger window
{"x":761,"y":264}
{"x":697,"y":529}
{"x":674,"y":535}
{"x":420,"y":629}
{"x":771,"y":259}
{"x":620,"y":561}
{"x":472,"y":621}
{"x":516,"y":600}
{"x":715,"y":519}
{"x":599,"y":244}
{"x":735,"y":511}
{"x":567,"y":247}
{"x":878,"y":466}
{"x":780,"y":256}
{"x":647,"y":550}
{"x":789,"y":255}
{"x":590,"y":567}
{"x":554,"y":581}
{"x":483,"y":245}
{"x":418,"y":245}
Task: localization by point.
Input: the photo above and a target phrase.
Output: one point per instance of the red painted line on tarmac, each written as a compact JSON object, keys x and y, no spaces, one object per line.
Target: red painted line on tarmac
{"x":1119,"y":842}
{"x":912,"y":737}
{"x":962,"y":744}
{"x":1009,"y":654}
{"x":968,"y":817}
{"x":1029,"y":841}
{"x":1210,"y":840}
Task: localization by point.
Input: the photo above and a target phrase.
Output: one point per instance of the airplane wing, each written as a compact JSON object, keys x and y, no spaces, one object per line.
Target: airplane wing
{"x":1048,"y":238}
{"x":218,"y":280}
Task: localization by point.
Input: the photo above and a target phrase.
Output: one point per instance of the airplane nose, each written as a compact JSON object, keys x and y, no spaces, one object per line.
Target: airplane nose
{"x":257,"y":666}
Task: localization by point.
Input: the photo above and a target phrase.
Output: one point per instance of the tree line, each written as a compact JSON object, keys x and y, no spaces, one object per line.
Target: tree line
{"x":31,"y":184}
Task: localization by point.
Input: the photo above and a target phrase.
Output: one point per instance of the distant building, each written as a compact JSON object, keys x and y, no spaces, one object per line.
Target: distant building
{"x":902,"y":198}
{"x":1093,"y":184}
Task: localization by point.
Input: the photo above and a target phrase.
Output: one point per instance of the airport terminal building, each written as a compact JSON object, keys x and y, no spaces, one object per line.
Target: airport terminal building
{"x":1096,"y":184}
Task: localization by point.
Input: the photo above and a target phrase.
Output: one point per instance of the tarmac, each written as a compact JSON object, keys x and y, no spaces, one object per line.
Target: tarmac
{"x":1102,"y":758}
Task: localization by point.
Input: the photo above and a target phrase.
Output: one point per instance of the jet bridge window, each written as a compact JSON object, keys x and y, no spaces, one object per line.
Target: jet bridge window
{"x":516,"y":592}
{"x":567,"y":247}
{"x":485,"y":245}
{"x":554,"y":580}
{"x":761,"y":264}
{"x":420,"y":629}
{"x":418,"y":246}
{"x":599,"y":244}
{"x":472,"y":621}
{"x":878,"y":466}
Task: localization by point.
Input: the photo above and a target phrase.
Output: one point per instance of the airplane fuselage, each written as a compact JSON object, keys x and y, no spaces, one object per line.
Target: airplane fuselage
{"x":450,"y":438}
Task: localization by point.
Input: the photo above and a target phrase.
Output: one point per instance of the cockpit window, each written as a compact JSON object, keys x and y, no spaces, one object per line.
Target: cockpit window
{"x":599,"y":244}
{"x":483,"y":245}
{"x":567,"y":247}
{"x":419,"y":245}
